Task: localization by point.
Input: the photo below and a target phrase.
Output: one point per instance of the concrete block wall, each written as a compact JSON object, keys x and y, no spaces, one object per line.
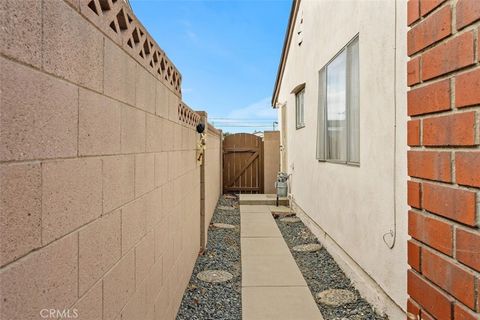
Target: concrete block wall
{"x":213,"y":172}
{"x":444,"y":159}
{"x":100,"y":189}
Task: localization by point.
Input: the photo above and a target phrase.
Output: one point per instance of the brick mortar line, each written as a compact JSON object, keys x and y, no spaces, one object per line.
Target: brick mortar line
{"x":425,"y":211}
{"x":455,"y":225}
{"x":448,"y":75}
{"x":452,"y":260}
{"x":444,"y":291}
{"x":450,"y":149}
{"x":439,"y":114}
{"x":423,"y":18}
{"x":452,"y":75}
{"x":454,"y":17}
{"x":445,"y":184}
{"x":443,"y":219}
{"x":471,"y":27}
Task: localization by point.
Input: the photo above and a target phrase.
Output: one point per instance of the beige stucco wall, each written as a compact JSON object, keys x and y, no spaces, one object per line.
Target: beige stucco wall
{"x":100,"y":188}
{"x":271,"y":159}
{"x":355,"y":205}
{"x":213,"y":173}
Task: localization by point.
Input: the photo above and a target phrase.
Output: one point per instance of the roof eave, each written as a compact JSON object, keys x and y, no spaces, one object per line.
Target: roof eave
{"x":286,"y":47}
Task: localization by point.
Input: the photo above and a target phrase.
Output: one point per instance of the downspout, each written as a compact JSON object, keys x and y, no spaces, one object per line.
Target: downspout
{"x":393,"y":233}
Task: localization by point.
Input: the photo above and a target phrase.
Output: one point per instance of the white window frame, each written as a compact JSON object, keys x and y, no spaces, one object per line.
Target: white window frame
{"x":321,"y":152}
{"x":300,"y":108}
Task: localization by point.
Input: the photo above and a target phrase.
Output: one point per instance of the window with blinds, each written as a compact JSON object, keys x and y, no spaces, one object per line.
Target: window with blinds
{"x":338,"y":127}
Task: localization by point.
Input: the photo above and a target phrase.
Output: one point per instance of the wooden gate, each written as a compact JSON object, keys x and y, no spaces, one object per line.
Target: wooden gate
{"x":242,"y":163}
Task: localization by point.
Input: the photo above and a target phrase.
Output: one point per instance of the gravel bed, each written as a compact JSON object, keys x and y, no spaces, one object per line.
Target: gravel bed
{"x":203,"y":300}
{"x":321,"y":272}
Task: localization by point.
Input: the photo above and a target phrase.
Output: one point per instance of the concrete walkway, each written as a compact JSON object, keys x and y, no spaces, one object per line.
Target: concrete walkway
{"x":272,"y":285}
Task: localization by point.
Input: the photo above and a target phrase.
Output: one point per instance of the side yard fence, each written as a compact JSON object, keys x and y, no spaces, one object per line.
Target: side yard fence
{"x":101,"y":191}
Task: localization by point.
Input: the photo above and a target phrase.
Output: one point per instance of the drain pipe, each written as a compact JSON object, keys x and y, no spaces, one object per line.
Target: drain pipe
{"x":393,"y":233}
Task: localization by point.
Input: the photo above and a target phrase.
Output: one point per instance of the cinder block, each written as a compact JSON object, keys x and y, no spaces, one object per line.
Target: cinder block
{"x":99,"y":249}
{"x":164,"y":246}
{"x":172,"y":286}
{"x":119,"y":73}
{"x":99,"y":124}
{"x":154,"y":133}
{"x":186,"y":138}
{"x":161,"y":100}
{"x":145,"y":91}
{"x":20,"y":210}
{"x":192,"y":139}
{"x":133,"y":130}
{"x":136,"y":307}
{"x":162,"y":304}
{"x":144,"y":257}
{"x":118,"y":287}
{"x":150,"y":312}
{"x":39,"y":114}
{"x":161,"y":168}
{"x":178,"y":137}
{"x":71,"y":195}
{"x":133,"y":224}
{"x":154,"y":207}
{"x":173,"y":103}
{"x":44,"y":279}
{"x":72,"y":47}
{"x":90,"y":305}
{"x":178,"y":191}
{"x":167,"y":196}
{"x":144,"y":173}
{"x":172,"y":165}
{"x":21,"y":26}
{"x":185,"y":160}
{"x":154,"y":282}
{"x":118,"y":181}
{"x":175,"y":223}
{"x":168,"y":135}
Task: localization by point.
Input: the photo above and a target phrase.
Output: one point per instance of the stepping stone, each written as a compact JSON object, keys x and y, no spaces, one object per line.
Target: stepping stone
{"x":290,"y":219}
{"x":336,"y":297}
{"x":214,"y":276}
{"x":281,"y":211}
{"x":309,"y":247}
{"x":225,"y":208}
{"x":223,"y":225}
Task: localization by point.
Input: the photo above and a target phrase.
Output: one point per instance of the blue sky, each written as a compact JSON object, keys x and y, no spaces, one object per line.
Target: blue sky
{"x":227,"y":51}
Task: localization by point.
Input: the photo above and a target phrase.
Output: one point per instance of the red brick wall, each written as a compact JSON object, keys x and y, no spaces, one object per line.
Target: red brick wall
{"x":444,"y":159}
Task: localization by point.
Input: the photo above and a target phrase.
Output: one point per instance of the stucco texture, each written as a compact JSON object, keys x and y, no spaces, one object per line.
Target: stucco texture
{"x":354,"y":205}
